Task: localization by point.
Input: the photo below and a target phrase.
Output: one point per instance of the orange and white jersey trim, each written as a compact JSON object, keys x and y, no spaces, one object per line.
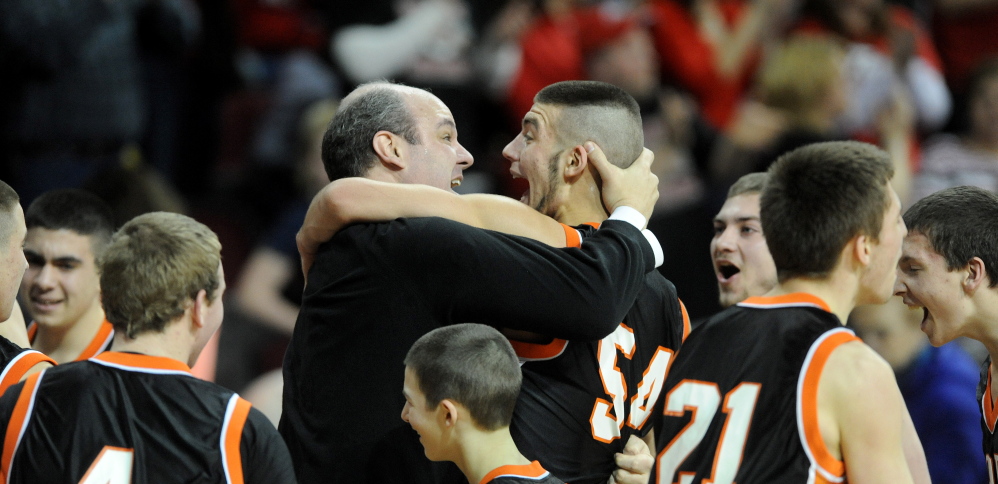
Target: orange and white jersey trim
{"x":988,"y":409}
{"x":24,"y":361}
{"x":532,"y":471}
{"x":793,"y":300}
{"x":18,"y":423}
{"x":101,"y":340}
{"x":825,"y":468}
{"x":236,"y":414}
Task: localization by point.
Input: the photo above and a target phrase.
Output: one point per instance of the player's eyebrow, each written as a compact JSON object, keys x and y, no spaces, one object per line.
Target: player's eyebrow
{"x":446,"y":123}
{"x":530,"y":121}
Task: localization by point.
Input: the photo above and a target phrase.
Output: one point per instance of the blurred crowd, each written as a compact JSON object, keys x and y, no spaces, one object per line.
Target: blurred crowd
{"x":216,"y":108}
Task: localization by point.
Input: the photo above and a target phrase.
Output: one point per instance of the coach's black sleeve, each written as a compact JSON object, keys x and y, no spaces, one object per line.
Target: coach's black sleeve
{"x":473,"y":275}
{"x":264,"y":454}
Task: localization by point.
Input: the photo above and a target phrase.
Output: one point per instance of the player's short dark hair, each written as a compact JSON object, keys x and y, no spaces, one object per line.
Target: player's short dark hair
{"x":961,"y":223}
{"x":600,"y":112}
{"x":472,"y":364}
{"x":820,"y":196}
{"x":155,"y":265}
{"x":8,"y":200}
{"x":751,"y":183}
{"x":76,"y":210}
{"x":347,"y":144}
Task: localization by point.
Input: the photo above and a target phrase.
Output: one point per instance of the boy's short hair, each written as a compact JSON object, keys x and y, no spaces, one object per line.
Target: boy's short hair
{"x":961,"y":223}
{"x":152,"y":269}
{"x":473,"y":365}
{"x":72,"y":209}
{"x":820,"y":196}
{"x":600,"y":112}
{"x":751,"y":183}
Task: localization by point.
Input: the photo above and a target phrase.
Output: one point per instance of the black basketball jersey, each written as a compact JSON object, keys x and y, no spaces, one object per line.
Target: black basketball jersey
{"x":16,"y":361}
{"x":129,"y":418}
{"x":524,"y":474}
{"x":989,"y":416}
{"x":742,"y":396}
{"x":581,"y":400}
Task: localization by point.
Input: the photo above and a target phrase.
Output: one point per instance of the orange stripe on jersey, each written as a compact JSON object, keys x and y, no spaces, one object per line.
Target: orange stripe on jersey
{"x":142,"y":361}
{"x":537,"y":351}
{"x":794,"y":299}
{"x":572,"y":237}
{"x":100,"y":341}
{"x":686,"y":320}
{"x":18,"y":422}
{"x":988,"y":405}
{"x":530,"y":471}
{"x":232,"y":433}
{"x":20,"y":365}
{"x":32,"y":331}
{"x":807,"y":402}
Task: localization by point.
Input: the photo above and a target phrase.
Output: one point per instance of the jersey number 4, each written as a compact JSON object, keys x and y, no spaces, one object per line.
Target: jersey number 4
{"x":608,"y":416}
{"x":112,"y":466}
{"x":704,"y":399}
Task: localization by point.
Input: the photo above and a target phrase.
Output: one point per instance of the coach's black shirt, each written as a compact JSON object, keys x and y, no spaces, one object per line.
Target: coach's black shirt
{"x":376,"y":288}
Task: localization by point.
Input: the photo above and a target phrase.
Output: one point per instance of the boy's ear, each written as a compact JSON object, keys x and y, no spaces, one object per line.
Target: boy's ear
{"x":862,"y":249}
{"x":448,"y":413}
{"x":578,"y":160}
{"x":976,"y":276}
{"x":198,"y":306}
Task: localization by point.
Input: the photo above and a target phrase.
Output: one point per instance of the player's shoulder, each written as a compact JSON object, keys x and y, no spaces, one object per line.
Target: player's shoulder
{"x":854,"y":365}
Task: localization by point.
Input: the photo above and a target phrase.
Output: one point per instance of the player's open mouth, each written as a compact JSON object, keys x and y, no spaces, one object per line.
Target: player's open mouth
{"x":726,"y":270}
{"x":455,"y":183}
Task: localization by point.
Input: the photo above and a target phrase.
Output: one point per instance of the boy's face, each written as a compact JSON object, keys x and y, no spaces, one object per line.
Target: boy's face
{"x":925,"y":281}
{"x":425,"y":421}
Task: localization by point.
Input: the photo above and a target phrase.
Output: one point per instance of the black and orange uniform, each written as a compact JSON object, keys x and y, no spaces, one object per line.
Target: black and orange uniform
{"x":126,"y":417}
{"x":741,"y":401}
{"x":581,"y":400}
{"x":16,"y":362}
{"x":374,"y":289}
{"x":100,"y":343}
{"x":532,"y":473}
{"x":989,"y":417}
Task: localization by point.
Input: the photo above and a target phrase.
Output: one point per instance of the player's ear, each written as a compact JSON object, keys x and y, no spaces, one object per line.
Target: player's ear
{"x":862,"y":249}
{"x":198,"y":307}
{"x":577,"y":162}
{"x":976,"y":275}
{"x":389,"y":149}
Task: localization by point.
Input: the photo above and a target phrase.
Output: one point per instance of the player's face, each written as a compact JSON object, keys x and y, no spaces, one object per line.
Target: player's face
{"x":422,"y":419}
{"x":741,"y":258}
{"x":878,"y":282}
{"x":61,"y":284}
{"x":534,"y":155}
{"x":438,"y":160}
{"x":925,"y":281}
{"x":12,"y":263}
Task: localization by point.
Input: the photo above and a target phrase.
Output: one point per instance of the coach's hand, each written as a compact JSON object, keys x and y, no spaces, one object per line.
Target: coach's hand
{"x":635,"y":186}
{"x":634,"y":464}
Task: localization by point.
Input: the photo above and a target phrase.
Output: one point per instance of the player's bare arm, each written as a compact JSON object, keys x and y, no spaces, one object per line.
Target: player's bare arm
{"x":357,"y":200}
{"x":861,"y":416}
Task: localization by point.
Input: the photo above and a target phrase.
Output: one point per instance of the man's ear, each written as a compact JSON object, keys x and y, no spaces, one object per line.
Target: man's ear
{"x":578,"y":160}
{"x":976,"y":276}
{"x":390,"y":149}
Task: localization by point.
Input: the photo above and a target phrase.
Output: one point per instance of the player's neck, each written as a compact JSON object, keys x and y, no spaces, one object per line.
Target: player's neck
{"x":483,"y":452}
{"x":175,"y":342}
{"x":583,"y":203}
{"x":838,"y":291}
{"x":984,"y":323}
{"x":65,"y":343}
